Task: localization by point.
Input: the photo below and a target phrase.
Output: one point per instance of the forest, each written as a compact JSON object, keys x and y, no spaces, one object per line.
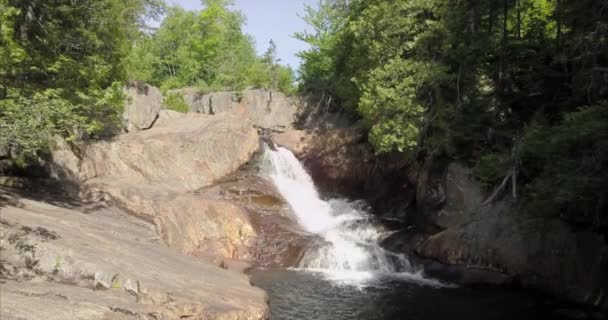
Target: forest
{"x":63,"y":65}
{"x":516,"y":89}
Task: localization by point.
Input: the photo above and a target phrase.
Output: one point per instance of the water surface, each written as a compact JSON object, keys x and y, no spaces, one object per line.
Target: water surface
{"x":299,"y":295}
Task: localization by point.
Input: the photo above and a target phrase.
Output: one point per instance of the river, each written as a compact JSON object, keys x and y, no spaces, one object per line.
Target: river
{"x":350,"y":276}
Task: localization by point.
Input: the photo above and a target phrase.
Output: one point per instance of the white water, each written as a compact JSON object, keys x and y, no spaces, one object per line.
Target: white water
{"x":351,"y":253}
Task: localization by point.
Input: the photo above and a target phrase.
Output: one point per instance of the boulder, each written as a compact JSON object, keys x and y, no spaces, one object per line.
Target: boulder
{"x":143,"y":105}
{"x":446,"y":197}
{"x":60,"y":263}
{"x":214,"y":103}
{"x":269,"y":109}
{"x":64,"y":164}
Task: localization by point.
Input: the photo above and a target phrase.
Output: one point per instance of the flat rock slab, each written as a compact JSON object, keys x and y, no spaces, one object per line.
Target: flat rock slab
{"x":59,"y":263}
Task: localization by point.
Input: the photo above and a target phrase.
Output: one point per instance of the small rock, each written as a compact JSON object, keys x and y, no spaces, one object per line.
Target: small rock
{"x":103,"y":281}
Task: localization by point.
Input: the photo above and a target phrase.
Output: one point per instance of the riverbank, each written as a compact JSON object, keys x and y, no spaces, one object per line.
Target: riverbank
{"x":66,"y":259}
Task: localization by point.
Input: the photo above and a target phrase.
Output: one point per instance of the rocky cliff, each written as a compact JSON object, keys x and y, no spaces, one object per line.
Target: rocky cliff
{"x":265,"y":108}
{"x":163,"y":222}
{"x":462,"y":230}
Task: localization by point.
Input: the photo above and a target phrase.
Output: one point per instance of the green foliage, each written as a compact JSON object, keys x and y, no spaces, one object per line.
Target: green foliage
{"x":61,"y":68}
{"x":566,"y":165}
{"x":390,"y":101}
{"x":205,"y":49}
{"x":466,"y":80}
{"x":491,"y":168}
{"x":175,"y":101}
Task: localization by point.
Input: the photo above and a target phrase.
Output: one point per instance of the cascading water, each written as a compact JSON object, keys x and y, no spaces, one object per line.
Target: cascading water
{"x":351,"y":252}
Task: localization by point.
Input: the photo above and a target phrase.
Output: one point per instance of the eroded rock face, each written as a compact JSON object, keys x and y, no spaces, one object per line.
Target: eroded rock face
{"x":62,"y":263}
{"x":183,"y":154}
{"x":212,"y":229}
{"x":445,"y":198}
{"x":279,"y":241}
{"x":212,"y":103}
{"x":143,"y":106}
{"x":150,"y":173}
{"x":541,"y":253}
{"x":264,"y":108}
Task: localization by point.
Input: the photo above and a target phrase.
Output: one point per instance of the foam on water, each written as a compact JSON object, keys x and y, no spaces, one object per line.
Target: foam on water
{"x":351,"y":253}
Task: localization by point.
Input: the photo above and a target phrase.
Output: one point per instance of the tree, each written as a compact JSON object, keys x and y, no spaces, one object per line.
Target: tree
{"x":205,"y":49}
{"x":271,"y":62}
{"x":62,"y":68}
{"x":477,"y":81}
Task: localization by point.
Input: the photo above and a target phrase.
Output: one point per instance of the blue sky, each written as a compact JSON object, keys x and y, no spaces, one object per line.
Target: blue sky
{"x":269,"y":19}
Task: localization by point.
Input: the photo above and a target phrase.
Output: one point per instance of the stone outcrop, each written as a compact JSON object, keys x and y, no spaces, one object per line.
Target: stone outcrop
{"x":150,"y":173}
{"x":541,"y":253}
{"x":166,"y":117}
{"x":193,"y":225}
{"x":184,"y":154}
{"x":59,"y":263}
{"x":265,"y":108}
{"x":143,"y":106}
{"x":445,"y":199}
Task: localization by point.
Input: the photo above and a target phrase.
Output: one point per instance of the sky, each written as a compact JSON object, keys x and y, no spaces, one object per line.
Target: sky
{"x":269,"y":19}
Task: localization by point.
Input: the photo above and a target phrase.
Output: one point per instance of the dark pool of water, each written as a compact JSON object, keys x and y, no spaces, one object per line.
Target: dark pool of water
{"x":297,"y":295}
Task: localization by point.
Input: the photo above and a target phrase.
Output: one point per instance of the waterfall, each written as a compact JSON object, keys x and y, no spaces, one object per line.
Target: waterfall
{"x":351,"y":252}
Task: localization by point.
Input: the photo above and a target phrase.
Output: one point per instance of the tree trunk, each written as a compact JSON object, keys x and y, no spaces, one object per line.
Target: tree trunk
{"x":505,"y":18}
{"x":492,"y":17}
{"x":558,"y":13}
{"x":518,"y":30}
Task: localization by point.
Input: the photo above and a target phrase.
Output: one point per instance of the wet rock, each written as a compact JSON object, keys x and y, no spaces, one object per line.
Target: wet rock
{"x":279,"y":241}
{"x":250,"y":190}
